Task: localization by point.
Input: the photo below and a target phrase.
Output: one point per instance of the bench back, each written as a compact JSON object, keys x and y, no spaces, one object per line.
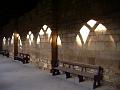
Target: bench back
{"x":80,"y":64}
{"x":23,"y":55}
{"x":3,"y":51}
{"x":26,"y":56}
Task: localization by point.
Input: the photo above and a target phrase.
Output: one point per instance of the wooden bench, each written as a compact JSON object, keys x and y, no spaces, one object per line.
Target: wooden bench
{"x":81,"y":70}
{"x":4,"y":52}
{"x":24,"y":58}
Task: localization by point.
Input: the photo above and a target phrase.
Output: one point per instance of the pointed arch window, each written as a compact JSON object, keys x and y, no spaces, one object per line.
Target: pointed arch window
{"x":19,"y":42}
{"x":30,"y":37}
{"x":12,"y":40}
{"x":4,"y":41}
{"x":45,"y":31}
{"x":85,"y":30}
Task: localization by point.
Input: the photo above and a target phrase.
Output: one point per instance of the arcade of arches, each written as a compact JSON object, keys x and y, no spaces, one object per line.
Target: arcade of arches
{"x":90,"y":42}
{"x":87,"y":45}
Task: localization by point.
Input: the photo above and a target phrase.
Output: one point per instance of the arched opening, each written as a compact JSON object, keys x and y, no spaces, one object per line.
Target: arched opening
{"x":43,"y":48}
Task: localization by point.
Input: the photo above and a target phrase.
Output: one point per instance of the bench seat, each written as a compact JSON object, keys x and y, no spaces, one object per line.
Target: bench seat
{"x":4,"y":52}
{"x":76,"y":72}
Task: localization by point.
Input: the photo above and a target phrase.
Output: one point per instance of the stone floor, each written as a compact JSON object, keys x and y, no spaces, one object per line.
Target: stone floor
{"x":17,"y":76}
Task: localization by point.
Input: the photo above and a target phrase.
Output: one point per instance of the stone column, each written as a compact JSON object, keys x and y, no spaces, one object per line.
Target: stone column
{"x":15,"y":44}
{"x":54,"y":61}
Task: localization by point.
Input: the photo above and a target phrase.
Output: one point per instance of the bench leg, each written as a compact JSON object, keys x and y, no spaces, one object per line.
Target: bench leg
{"x":94,"y":85}
{"x":100,"y":78}
{"x":7,"y":55}
{"x":97,"y":81}
{"x":80,"y":78}
{"x":68,"y":75}
{"x":27,"y":61}
{"x":23,"y":61}
{"x":55,"y":72}
{"x":99,"y":84}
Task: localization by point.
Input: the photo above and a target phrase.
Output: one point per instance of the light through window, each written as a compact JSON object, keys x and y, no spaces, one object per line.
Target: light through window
{"x":59,"y":41}
{"x":78,"y":40}
{"x":48,"y":32}
{"x":84,"y":31}
{"x":12,"y":40}
{"x":38,"y":39}
{"x":41,"y":32}
{"x":4,"y":41}
{"x":20,"y":42}
{"x":30,"y":37}
{"x":100,"y":28}
{"x":45,"y":31}
{"x":91,"y":22}
{"x":45,"y":27}
{"x":9,"y":41}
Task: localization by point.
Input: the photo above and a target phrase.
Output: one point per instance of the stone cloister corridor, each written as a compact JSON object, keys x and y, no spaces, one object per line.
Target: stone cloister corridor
{"x":54,"y":39}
